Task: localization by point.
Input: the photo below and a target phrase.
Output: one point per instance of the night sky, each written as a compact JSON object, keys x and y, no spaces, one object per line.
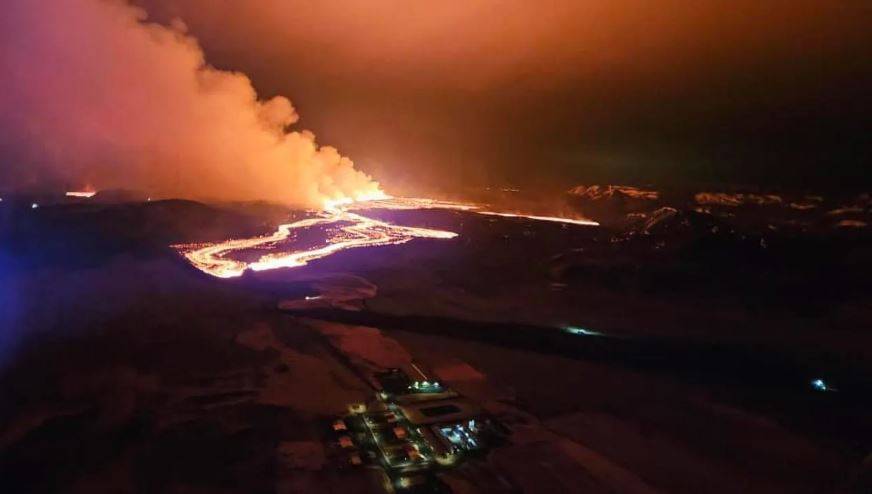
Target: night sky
{"x":304,"y":102}
{"x":748,"y":92}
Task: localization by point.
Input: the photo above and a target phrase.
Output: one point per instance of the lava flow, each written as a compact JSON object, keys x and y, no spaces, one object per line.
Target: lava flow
{"x":553,"y":219}
{"x":359,"y":232}
{"x":356,"y":231}
{"x":86,"y":194}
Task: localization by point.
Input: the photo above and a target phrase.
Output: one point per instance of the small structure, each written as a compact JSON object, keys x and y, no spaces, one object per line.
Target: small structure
{"x":346,"y":442}
{"x":411,"y":428}
{"x":425,"y":387}
{"x":394,"y":381}
{"x":440,"y":411}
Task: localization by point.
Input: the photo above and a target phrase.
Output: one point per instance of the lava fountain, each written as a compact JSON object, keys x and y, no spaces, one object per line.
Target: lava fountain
{"x":355,"y":230}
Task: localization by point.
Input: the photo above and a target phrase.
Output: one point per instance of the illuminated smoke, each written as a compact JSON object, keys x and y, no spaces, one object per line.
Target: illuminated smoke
{"x":92,"y":93}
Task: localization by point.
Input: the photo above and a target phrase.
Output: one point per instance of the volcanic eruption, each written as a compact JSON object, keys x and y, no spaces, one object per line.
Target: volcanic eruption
{"x":95,"y":93}
{"x":100,"y":95}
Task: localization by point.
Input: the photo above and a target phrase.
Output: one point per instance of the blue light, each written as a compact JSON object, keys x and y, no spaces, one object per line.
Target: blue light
{"x":820,"y":385}
{"x":576,"y":330}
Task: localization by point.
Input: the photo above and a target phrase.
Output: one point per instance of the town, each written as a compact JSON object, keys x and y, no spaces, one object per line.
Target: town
{"x":411,"y":429}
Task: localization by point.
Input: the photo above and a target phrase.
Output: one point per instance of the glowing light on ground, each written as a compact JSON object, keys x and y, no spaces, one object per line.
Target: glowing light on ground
{"x":414,"y":203}
{"x":356,"y":231}
{"x":408,"y":203}
{"x":85,"y":194}
{"x":353,"y":231}
{"x":821,"y":385}
{"x":577,"y":330}
{"x":554,"y":219}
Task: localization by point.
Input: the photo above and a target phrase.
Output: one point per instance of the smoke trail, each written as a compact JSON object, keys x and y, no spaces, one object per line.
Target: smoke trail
{"x":92,"y":93}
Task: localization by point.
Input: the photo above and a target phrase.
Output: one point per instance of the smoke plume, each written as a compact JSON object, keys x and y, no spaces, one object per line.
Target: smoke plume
{"x":94,"y":94}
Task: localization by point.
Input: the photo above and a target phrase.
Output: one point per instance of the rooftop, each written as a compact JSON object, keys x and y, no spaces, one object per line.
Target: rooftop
{"x":437,"y":411}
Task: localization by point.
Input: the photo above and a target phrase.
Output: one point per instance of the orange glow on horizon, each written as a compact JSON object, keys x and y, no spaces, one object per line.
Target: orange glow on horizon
{"x":81,"y":193}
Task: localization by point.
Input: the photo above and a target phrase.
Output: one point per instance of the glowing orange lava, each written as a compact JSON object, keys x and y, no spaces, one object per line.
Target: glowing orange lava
{"x":356,"y":231}
{"x":414,"y":203}
{"x":554,"y":219}
{"x":360,"y":232}
{"x":85,"y":194}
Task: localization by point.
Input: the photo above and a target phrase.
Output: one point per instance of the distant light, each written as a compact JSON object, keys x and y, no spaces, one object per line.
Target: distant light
{"x":820,"y":385}
{"x":316,"y":297}
{"x":426,"y":386}
{"x":581,"y":331}
{"x":554,"y":219}
{"x":34,"y":206}
{"x":80,"y":194}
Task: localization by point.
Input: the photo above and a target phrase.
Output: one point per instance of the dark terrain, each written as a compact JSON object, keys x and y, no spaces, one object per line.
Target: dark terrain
{"x":125,"y":369}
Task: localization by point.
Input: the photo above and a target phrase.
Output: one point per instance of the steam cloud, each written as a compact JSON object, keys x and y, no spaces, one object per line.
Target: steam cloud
{"x":94,"y":94}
